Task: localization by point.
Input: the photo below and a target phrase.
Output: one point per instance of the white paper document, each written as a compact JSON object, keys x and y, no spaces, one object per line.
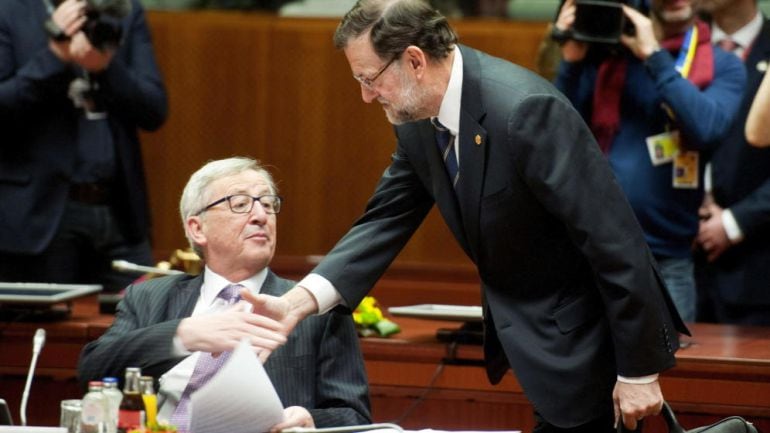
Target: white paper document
{"x":239,"y":398}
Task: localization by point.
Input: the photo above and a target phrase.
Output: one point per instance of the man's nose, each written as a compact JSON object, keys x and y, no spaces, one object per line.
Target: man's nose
{"x":367,"y":94}
{"x":258,"y":213}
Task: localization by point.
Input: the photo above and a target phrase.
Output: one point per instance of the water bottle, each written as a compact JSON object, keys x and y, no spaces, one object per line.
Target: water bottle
{"x":93,"y":414}
{"x":114,"y":397}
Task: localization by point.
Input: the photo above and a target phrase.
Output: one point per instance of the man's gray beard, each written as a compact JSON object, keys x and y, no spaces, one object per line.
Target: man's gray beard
{"x":412,"y":96}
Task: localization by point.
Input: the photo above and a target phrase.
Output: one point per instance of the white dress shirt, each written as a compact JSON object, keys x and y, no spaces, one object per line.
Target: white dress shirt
{"x":174,"y":381}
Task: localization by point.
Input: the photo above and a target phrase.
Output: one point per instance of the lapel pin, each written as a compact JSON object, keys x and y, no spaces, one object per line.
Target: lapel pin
{"x":762,"y":66}
{"x":478,"y":140}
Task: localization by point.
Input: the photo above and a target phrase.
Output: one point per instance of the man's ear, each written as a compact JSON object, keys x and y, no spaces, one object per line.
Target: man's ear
{"x":416,"y":59}
{"x":194,"y":229}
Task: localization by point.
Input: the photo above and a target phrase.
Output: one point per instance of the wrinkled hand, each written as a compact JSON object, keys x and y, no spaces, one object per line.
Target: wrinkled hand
{"x":223,"y":331}
{"x":70,"y":17}
{"x":294,"y":416}
{"x":288,"y":310}
{"x":634,"y":402}
{"x":571,"y":50}
{"x":712,"y":236}
{"x":643,"y":43}
{"x":87,"y":56}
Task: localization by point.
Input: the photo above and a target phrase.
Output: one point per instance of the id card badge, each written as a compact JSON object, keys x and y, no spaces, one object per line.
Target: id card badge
{"x":662,"y":147}
{"x":686,"y":170}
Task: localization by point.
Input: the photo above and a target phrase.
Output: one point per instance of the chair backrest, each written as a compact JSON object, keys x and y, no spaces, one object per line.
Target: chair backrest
{"x":5,"y":414}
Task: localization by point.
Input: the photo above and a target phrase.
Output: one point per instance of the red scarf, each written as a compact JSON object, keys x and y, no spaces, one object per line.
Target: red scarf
{"x":605,"y":119}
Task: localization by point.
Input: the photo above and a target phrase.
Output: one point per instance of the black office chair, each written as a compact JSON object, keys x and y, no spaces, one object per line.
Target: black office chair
{"x":5,"y":414}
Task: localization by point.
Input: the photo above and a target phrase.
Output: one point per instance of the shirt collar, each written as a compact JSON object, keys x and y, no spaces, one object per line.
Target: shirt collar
{"x":744,"y":37}
{"x":213,"y":283}
{"x":449,"y":112}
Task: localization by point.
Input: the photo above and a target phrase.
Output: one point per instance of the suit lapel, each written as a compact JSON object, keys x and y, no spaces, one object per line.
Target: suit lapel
{"x":473,"y":144}
{"x":443,"y":192}
{"x":757,"y":61}
{"x":184,"y":296}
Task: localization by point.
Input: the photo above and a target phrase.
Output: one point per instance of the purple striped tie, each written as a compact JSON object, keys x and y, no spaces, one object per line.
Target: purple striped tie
{"x":205,"y":369}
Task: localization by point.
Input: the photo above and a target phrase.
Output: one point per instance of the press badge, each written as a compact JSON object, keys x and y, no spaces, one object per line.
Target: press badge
{"x":686,"y":169}
{"x":663,"y":147}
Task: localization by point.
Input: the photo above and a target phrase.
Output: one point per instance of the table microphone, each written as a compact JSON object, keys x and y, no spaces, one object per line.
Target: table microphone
{"x":126,"y":266}
{"x":37,"y":344}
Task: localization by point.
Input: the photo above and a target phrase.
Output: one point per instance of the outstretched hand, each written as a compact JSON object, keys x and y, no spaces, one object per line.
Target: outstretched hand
{"x":287,"y":310}
{"x":224,"y":330}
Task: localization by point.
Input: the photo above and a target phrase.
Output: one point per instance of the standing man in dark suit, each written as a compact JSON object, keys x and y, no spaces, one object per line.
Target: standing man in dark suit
{"x":166,"y":325}
{"x":572,"y":299}
{"x":734,"y":284}
{"x":71,"y":175}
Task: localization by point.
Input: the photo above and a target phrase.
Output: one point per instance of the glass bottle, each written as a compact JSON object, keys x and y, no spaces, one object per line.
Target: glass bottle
{"x":131,"y":413}
{"x":93,"y":414}
{"x":114,"y":397}
{"x":150,"y":400}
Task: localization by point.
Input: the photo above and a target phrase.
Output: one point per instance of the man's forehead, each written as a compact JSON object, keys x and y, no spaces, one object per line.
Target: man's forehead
{"x":242,"y":181}
{"x":360,"y":52}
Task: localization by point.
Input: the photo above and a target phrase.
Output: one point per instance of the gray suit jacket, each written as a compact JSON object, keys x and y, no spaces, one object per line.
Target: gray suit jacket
{"x":572,"y":296}
{"x":320,"y":368}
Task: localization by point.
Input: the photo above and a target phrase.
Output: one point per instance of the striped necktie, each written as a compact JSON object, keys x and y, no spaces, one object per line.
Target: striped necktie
{"x":204,"y":370}
{"x":445,"y":142}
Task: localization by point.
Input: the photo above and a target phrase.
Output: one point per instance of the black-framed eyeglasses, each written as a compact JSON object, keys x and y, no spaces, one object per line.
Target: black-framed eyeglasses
{"x":244,"y":203}
{"x":369,"y":82}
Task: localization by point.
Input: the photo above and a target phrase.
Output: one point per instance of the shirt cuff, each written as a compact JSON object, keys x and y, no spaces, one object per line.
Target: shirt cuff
{"x":643,"y":380}
{"x":178,"y":348}
{"x":731,"y":226}
{"x":326,"y":296}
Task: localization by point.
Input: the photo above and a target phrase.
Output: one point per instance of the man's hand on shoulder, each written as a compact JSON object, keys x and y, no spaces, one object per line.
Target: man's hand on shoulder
{"x":636,"y":401}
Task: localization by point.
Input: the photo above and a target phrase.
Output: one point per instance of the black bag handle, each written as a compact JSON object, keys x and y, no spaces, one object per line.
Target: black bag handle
{"x":668,"y":416}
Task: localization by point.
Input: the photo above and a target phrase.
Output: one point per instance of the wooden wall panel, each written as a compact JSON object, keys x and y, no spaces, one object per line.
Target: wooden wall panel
{"x":276,"y":89}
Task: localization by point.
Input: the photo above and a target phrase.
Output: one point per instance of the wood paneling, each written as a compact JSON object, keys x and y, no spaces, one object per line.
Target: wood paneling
{"x":277,"y":90}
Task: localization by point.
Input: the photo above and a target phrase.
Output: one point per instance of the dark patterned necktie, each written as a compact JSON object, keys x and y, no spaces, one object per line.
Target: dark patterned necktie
{"x":445,"y":142}
{"x":204,"y":370}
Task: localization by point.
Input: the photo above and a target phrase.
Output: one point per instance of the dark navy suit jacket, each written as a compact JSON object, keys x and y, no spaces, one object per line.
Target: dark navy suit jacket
{"x":38,"y":125}
{"x":571,"y":293}
{"x":320,"y":368}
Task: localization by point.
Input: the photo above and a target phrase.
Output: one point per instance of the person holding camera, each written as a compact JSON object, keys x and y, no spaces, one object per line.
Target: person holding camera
{"x":734,"y":233}
{"x":77,"y":79}
{"x":658,"y":101}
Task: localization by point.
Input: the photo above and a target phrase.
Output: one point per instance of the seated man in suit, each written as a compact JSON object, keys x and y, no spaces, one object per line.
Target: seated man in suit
{"x":165,"y":325}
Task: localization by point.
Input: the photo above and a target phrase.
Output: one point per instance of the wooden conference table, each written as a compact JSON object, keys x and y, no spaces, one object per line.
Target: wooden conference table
{"x":421,"y":382}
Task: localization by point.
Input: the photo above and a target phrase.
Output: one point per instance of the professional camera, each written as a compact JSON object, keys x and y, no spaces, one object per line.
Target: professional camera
{"x":103,"y":23}
{"x":602,"y":21}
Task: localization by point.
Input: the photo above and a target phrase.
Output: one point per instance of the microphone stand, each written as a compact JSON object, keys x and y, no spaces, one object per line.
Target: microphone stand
{"x":37,"y":344}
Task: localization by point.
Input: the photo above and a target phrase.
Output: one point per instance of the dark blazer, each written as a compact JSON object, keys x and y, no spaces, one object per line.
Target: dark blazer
{"x":571,"y":294}
{"x":38,"y":123}
{"x":741,"y":182}
{"x":320,"y":368}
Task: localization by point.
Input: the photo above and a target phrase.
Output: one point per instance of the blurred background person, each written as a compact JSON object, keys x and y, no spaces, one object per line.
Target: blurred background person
{"x":76,"y":81}
{"x":734,"y":234}
{"x":657,"y":114}
{"x":168,"y":326}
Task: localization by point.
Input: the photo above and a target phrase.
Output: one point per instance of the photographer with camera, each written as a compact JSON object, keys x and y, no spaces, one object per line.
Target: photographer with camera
{"x":658,"y":100}
{"x":77,"y":79}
